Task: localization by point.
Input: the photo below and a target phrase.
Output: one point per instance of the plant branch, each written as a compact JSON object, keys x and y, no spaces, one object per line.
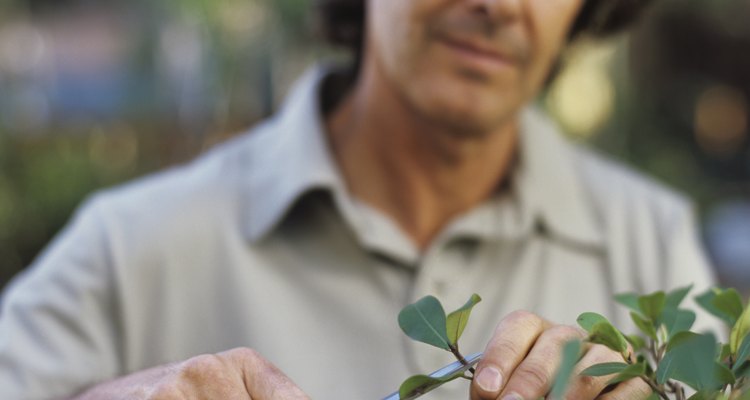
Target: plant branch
{"x":677,"y":389}
{"x":655,"y":388}
{"x":461,"y":358}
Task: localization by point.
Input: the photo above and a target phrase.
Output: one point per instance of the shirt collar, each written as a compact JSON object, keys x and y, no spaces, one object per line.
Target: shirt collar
{"x":286,"y":157}
{"x":549,"y":182}
{"x":290,"y":156}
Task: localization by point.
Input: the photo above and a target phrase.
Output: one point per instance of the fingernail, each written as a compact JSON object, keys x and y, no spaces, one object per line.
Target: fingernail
{"x":489,"y":379}
{"x":513,"y":396}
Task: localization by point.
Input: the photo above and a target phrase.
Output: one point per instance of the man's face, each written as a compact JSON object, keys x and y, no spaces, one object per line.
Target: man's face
{"x":469,"y":65}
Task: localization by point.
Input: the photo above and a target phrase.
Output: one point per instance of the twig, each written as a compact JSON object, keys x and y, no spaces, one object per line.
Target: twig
{"x":655,"y":388}
{"x":461,"y":359}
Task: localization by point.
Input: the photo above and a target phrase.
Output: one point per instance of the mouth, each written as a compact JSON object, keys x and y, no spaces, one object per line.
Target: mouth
{"x":478,"y":55}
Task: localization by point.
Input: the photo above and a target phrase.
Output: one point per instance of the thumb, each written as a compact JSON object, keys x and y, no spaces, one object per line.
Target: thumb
{"x":263,"y":381}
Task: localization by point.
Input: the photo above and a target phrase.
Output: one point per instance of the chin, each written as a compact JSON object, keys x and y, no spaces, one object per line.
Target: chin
{"x":469,"y":108}
{"x":469,"y":119}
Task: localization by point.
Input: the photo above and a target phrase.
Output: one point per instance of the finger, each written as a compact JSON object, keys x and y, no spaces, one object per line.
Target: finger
{"x":513,"y":338}
{"x":634,"y":389}
{"x":534,"y":376}
{"x":263,"y":381}
{"x":588,"y":387}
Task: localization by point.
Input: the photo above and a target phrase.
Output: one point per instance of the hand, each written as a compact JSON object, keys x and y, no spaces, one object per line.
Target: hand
{"x":239,"y":374}
{"x":522,"y":357}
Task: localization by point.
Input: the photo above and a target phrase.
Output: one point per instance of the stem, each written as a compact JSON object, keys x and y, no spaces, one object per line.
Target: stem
{"x":460,"y":358}
{"x":655,"y":388}
{"x":678,"y":390}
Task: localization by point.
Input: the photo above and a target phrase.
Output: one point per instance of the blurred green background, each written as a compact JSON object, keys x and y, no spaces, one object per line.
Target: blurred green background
{"x":93,"y":93}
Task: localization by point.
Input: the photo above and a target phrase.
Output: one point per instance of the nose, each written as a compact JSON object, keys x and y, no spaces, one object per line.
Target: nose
{"x":497,"y":10}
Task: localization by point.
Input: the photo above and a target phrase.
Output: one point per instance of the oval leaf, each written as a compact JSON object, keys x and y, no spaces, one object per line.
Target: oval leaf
{"x":677,"y":321}
{"x":729,"y":302}
{"x":690,"y":359}
{"x":589,"y":319}
{"x":632,"y":371}
{"x":418,"y":385}
{"x":456,"y":321}
{"x":652,"y":305}
{"x":743,"y":353}
{"x":570,"y":355}
{"x":604,"y":369}
{"x":605,"y":334}
{"x":425,"y":321}
{"x":675,"y":297}
{"x":706,"y":301}
{"x":629,"y":300}
{"x":645,"y":325}
{"x":739,"y":331}
{"x":636,"y":342}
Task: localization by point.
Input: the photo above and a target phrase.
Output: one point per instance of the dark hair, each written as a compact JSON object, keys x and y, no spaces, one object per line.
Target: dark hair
{"x":342,"y":21}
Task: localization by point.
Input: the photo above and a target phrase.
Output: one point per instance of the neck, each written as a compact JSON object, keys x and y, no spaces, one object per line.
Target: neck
{"x":420,"y":174}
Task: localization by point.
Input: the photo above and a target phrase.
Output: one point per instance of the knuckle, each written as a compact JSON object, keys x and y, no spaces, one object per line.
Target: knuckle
{"x":562,"y":333}
{"x":504,"y":349}
{"x":522,"y":318}
{"x":589,"y":384}
{"x":601,"y":354}
{"x":246,"y":353}
{"x":198,"y":367}
{"x":166,"y":391}
{"x":533,"y":376}
{"x":634,"y":389}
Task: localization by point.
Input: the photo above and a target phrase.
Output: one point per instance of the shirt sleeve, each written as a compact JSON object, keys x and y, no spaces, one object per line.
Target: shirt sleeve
{"x":58,"y":320}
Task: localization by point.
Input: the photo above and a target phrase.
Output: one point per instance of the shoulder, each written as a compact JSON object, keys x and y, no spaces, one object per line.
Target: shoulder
{"x":192,"y":200}
{"x":619,"y":191}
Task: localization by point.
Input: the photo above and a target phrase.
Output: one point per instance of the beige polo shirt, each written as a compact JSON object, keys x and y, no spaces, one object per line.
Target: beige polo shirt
{"x":258,"y":244}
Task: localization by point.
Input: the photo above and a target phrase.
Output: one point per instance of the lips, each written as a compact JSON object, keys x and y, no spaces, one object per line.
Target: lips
{"x":478,"y":54}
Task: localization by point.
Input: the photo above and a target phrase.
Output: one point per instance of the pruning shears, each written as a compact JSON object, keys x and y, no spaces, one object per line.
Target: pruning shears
{"x":450,"y":369}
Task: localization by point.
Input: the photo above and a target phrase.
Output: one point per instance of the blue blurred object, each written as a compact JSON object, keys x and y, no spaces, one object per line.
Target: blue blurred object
{"x":728,"y":240}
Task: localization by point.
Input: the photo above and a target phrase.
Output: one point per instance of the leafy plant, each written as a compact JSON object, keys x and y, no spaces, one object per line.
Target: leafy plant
{"x":667,"y":355}
{"x":425,"y":321}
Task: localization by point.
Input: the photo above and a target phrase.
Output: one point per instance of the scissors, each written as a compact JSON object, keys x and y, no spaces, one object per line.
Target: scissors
{"x":452,"y":368}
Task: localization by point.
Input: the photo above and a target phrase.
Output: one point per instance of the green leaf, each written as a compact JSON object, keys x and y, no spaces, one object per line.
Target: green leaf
{"x":702,"y":395}
{"x":629,"y":300}
{"x":636,"y":342}
{"x":680,"y":338}
{"x":690,"y":358}
{"x":743,"y":353}
{"x":420,"y":384}
{"x":606,"y":334}
{"x":677,"y":320}
{"x":724,"y":375}
{"x":652,"y":305}
{"x":724,"y":352}
{"x":675,"y":297}
{"x":570,"y":356}
{"x":653,"y":396}
{"x":632,"y":371}
{"x":425,"y":321}
{"x":605,"y":369}
{"x":589,"y":319}
{"x":706,"y":301}
{"x":646,"y":326}
{"x":739,"y":331}
{"x":729,"y":302}
{"x":456,"y":321}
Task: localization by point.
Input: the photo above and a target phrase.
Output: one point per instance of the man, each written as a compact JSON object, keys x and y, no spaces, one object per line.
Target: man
{"x":427,"y":174}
